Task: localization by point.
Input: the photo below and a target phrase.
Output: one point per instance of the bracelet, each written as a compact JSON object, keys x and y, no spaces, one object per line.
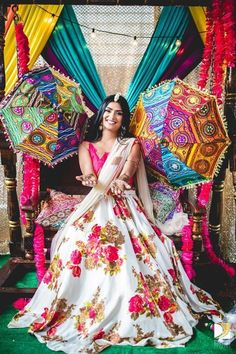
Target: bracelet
{"x":86,"y":177}
{"x":124,"y":177}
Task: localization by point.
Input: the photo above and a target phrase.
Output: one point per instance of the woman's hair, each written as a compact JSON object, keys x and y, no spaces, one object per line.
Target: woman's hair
{"x":92,"y":131}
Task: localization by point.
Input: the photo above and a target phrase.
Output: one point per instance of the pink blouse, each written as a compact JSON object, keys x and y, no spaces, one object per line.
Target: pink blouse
{"x":98,"y":161}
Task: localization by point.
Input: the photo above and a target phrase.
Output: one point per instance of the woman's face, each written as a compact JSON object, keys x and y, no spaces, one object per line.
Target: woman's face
{"x":112,"y":117}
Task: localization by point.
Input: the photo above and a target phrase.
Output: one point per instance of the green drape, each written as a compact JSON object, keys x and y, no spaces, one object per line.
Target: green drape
{"x":160,"y":51}
{"x":70,"y":47}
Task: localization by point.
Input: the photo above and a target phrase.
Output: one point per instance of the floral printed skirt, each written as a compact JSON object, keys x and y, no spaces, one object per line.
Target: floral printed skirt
{"x":115,"y":280}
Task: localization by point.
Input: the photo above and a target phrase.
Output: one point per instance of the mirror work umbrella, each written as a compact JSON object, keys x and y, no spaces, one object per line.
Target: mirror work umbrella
{"x":44,"y":115}
{"x":181,"y":131}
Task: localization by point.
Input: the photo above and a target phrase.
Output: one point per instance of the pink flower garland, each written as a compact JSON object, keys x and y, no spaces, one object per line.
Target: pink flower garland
{"x":219,"y":51}
{"x":203,"y":198}
{"x":229,"y":31}
{"x":221,"y":33}
{"x":31,"y":172}
{"x":207,"y":53}
{"x":187,"y":249}
{"x":220,"y":46}
{"x":209,"y":249}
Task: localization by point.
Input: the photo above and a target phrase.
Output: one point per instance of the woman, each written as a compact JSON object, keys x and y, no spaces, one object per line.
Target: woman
{"x":114,"y":278}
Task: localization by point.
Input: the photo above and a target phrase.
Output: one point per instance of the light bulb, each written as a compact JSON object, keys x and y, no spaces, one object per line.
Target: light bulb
{"x":135,"y":42}
{"x":178,"y":43}
{"x":93,"y":34}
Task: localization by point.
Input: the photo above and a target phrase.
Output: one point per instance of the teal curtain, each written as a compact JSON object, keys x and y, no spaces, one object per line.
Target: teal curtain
{"x":161,"y":50}
{"x":69,"y":45}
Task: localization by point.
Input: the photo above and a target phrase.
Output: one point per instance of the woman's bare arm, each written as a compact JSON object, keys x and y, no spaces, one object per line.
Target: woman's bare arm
{"x":88,"y":177}
{"x":129,"y":169}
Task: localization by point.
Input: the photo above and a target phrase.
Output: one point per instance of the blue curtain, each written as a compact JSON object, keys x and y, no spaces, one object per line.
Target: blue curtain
{"x":161,"y":50}
{"x":69,"y":46}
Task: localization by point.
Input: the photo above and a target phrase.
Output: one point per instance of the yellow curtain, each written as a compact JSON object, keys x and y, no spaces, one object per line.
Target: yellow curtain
{"x":38,"y":25}
{"x":199,"y":17}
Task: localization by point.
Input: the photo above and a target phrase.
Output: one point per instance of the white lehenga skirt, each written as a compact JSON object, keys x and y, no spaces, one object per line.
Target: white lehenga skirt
{"x":115,"y":280}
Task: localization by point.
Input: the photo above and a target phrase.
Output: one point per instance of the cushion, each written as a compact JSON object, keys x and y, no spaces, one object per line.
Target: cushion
{"x":165,"y":201}
{"x":55,"y":211}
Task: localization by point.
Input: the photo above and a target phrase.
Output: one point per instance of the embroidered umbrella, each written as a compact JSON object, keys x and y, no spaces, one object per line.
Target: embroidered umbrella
{"x":182,"y":133}
{"x":44,"y":115}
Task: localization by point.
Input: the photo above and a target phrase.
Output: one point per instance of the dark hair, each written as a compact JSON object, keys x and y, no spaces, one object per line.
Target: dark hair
{"x":92,"y":131}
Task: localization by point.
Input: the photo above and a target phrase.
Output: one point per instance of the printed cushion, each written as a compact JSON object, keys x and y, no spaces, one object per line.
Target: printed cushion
{"x":55,"y":211}
{"x":165,"y":201}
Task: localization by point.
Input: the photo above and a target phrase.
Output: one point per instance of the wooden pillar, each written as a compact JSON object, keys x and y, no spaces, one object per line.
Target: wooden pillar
{"x":218,"y":186}
{"x":8,"y":160}
{"x":230,"y":111}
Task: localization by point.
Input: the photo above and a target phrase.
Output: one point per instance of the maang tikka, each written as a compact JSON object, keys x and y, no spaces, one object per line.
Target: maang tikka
{"x":117,"y":96}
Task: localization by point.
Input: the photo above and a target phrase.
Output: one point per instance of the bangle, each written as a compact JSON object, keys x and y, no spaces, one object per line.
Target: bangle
{"x":86,"y":177}
{"x":124,"y":177}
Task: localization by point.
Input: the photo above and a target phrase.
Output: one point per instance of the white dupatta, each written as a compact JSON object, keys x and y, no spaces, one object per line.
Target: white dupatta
{"x":110,"y":170}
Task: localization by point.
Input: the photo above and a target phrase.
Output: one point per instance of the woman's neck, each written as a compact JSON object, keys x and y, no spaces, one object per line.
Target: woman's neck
{"x":108,"y":136}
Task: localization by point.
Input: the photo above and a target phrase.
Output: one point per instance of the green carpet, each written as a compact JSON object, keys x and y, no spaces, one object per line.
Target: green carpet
{"x":14,"y":341}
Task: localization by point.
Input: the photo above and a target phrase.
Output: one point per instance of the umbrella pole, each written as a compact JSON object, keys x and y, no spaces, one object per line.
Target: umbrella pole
{"x":8,"y":160}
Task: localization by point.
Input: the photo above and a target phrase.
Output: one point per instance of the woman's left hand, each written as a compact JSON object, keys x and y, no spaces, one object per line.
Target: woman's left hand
{"x":118,"y":186}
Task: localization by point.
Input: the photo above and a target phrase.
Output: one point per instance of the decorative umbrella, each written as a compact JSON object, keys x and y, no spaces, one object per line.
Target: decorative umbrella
{"x":181,"y":131}
{"x":44,"y":115}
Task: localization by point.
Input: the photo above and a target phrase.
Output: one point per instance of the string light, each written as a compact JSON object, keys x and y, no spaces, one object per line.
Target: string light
{"x":50,"y":20}
{"x":93,"y":34}
{"x":178,"y":43}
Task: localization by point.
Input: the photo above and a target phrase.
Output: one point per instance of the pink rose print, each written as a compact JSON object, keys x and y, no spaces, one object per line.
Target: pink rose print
{"x":92,"y":313}
{"x":136,"y":304}
{"x":47,"y":277}
{"x":164,"y":303}
{"x":51,"y":332}
{"x":76,"y":257}
{"x":76,"y":271}
{"x":96,"y":229}
{"x":117,"y":211}
{"x":99,"y":335}
{"x":81,"y":327}
{"x":173,"y":274}
{"x":37,"y":326}
{"x":168,"y":317}
{"x":111,"y":253}
{"x":136,"y":245}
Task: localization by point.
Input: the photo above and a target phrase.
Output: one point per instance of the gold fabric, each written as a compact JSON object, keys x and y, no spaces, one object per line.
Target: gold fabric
{"x":199,"y":16}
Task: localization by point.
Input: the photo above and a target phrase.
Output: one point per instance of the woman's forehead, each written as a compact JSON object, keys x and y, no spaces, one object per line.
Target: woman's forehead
{"x":114,"y":105}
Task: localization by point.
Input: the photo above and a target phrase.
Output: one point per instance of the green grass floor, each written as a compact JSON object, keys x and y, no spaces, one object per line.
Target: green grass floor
{"x":15,"y":341}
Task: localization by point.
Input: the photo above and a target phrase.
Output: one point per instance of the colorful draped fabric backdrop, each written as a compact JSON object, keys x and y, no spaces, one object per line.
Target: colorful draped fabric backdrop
{"x":68,"y":51}
{"x":67,"y":43}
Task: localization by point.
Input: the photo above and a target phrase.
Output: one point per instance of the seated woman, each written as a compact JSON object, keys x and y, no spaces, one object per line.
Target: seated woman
{"x":114,"y":278}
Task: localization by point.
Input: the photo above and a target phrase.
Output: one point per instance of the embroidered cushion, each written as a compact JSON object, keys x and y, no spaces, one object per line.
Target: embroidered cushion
{"x":55,"y":211}
{"x":165,"y":201}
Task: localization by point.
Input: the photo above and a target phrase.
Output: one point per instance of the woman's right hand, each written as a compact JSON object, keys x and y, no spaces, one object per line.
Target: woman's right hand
{"x":89,"y":180}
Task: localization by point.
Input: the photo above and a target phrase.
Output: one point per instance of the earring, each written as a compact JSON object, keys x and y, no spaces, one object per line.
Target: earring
{"x":100,"y":127}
